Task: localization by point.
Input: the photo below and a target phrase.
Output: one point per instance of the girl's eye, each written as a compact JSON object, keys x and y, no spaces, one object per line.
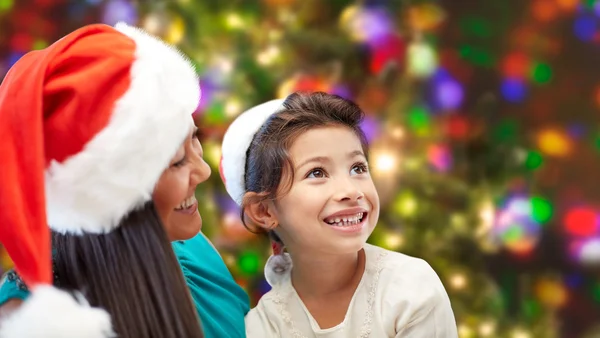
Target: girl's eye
{"x":316,"y":173}
{"x":360,"y":168}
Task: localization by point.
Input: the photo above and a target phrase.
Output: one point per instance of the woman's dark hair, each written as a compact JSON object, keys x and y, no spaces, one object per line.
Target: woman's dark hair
{"x":267,"y":158}
{"x":131,"y":272}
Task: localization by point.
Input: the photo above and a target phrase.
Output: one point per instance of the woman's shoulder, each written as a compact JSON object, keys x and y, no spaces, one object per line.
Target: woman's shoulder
{"x":203,"y":266}
{"x":198,"y":253}
{"x":198,"y":243}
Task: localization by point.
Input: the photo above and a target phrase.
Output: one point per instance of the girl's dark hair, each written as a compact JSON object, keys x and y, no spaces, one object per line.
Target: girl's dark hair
{"x":131,"y":272}
{"x":267,"y":158}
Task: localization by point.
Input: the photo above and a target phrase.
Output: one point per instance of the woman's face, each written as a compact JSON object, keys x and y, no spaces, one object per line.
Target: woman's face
{"x":174,"y":195}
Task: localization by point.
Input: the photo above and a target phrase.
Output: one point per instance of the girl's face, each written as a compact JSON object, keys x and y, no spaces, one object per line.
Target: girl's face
{"x":174,"y":195}
{"x":333,"y":205}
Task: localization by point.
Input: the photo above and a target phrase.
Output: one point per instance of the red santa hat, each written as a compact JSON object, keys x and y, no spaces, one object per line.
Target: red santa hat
{"x":87,"y":126}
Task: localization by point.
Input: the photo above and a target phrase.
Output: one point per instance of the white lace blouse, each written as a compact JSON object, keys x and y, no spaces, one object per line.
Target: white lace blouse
{"x":398,"y":296}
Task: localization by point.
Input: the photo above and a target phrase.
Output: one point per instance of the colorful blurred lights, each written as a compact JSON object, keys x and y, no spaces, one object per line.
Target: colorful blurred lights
{"x":233,"y":108}
{"x":464,"y":331}
{"x":581,"y":221}
{"x":585,"y":27}
{"x":552,"y":293}
{"x":426,"y":16}
{"x":439,"y":157}
{"x":541,"y":210}
{"x":212,"y":153}
{"x":385,"y":162}
{"x":596,"y":6}
{"x":224,"y":64}
{"x":13,"y":57}
{"x":541,"y":73}
{"x":176,"y":30}
{"x":119,"y":10}
{"x":487,"y":214}
{"x":520,"y":333}
{"x":393,"y":241}
{"x":419,"y":120}
{"x":576,"y":130}
{"x":457,"y":127}
{"x":449,"y":94}
{"x":405,"y":204}
{"x":458,"y":281}
{"x":515,"y":65}
{"x":516,"y":227}
{"x":249,"y":262}
{"x":590,"y":251}
{"x":268,"y":56}
{"x":234,"y":21}
{"x":371,"y":127}
{"x":386,"y":51}
{"x":513,"y":90}
{"x":544,"y":10}
{"x":534,"y":160}
{"x":397,"y":132}
{"x":487,"y":328}
{"x":422,"y":60}
{"x":365,"y":24}
{"x":567,"y":4}
{"x":554,"y":143}
{"x":5,"y":5}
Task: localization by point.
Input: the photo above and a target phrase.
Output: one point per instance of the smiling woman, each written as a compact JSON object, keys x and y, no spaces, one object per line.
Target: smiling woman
{"x":174,"y":194}
{"x":78,"y":170}
{"x":220,"y":302}
{"x":113,"y":196}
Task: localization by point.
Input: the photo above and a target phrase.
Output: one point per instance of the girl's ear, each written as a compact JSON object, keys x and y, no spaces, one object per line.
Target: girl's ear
{"x":260,"y":212}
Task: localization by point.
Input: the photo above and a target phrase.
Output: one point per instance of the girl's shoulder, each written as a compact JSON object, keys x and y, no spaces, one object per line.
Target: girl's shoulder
{"x":264,"y":320}
{"x":403,"y":276}
{"x":411,"y":296}
{"x":395,"y":262}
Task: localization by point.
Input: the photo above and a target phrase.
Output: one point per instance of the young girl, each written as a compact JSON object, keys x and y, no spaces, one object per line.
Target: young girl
{"x":298,"y":168}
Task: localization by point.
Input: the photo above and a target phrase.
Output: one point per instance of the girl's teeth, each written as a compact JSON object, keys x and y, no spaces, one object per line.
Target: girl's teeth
{"x":346,"y":221}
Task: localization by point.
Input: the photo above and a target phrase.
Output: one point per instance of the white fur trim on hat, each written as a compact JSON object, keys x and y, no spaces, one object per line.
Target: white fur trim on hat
{"x":236,"y":141}
{"x":52,"y":313}
{"x":119,"y":167}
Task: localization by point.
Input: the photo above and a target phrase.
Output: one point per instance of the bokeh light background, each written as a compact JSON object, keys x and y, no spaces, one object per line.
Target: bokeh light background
{"x":483,"y":117}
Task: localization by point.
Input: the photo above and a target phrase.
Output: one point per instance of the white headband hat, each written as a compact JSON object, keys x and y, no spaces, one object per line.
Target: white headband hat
{"x":236,"y":142}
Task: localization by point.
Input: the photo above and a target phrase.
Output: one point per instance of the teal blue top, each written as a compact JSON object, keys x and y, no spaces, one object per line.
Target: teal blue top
{"x":221,"y":303}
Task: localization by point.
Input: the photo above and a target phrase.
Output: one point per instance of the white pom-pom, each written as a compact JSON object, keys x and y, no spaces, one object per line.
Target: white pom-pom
{"x":277,"y":268}
{"x":52,"y":313}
